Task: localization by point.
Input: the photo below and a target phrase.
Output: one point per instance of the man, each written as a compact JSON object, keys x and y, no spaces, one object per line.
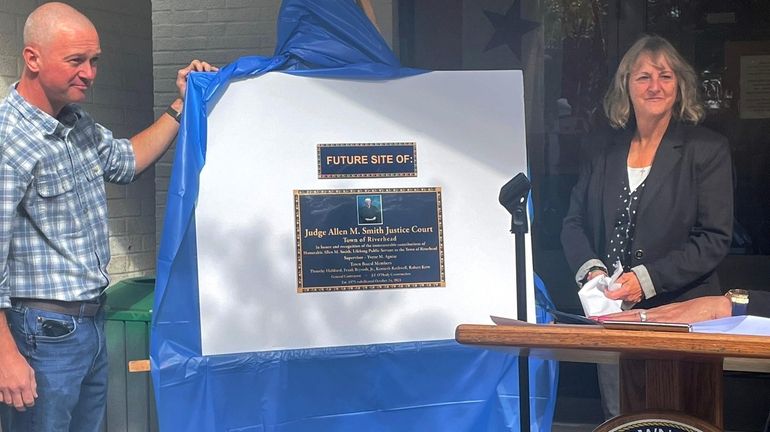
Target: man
{"x":368,"y":213}
{"x":54,"y":246}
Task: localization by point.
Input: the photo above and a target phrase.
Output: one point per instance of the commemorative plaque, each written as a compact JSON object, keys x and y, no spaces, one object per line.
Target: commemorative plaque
{"x":358,"y":239}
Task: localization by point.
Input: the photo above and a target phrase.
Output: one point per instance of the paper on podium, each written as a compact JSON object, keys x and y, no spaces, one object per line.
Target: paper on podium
{"x":592,"y":296}
{"x":507,"y":321}
{"x":743,"y":325}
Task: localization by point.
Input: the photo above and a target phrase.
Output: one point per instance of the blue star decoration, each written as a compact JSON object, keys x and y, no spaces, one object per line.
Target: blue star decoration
{"x":509,"y":29}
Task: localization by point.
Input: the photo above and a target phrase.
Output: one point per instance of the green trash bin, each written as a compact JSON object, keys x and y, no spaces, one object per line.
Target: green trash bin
{"x":130,"y":400}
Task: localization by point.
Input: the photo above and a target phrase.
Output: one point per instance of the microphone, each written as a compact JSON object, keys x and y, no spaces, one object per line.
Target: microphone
{"x":513,"y":196}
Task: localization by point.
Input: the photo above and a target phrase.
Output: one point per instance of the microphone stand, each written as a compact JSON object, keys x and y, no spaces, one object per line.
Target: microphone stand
{"x":513,"y":196}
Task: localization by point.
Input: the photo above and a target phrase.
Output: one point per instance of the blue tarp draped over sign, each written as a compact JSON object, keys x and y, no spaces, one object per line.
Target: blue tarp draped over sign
{"x":429,"y":386}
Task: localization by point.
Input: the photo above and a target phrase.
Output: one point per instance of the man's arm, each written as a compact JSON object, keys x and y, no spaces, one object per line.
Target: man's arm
{"x":690,"y":311}
{"x":150,"y":144}
{"x":17,"y":379}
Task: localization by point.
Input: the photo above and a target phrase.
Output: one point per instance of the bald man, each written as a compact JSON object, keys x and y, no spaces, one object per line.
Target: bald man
{"x":54,"y":246}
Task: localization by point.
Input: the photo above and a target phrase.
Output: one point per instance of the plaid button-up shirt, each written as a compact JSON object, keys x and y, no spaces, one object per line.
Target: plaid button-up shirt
{"x":54,"y":239}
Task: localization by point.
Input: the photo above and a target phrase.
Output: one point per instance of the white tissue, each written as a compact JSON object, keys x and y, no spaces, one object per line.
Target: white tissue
{"x":592,"y":294}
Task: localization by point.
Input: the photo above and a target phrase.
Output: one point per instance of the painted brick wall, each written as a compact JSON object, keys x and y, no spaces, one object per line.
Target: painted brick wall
{"x":145,"y":42}
{"x":218,"y":31}
{"x":121,"y":99}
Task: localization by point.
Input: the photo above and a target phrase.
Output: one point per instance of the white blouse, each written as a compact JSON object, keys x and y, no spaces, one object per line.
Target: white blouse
{"x":636,"y":176}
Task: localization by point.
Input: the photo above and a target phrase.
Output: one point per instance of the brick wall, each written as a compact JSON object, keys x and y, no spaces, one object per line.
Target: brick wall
{"x":121,"y":99}
{"x":218,"y":31}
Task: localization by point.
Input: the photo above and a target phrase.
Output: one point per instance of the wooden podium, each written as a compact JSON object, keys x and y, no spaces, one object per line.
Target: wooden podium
{"x":658,"y":370}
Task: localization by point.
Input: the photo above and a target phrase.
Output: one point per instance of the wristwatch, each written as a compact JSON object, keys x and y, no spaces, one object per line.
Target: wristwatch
{"x":176,"y":115}
{"x":739,"y":298}
{"x":588,"y":273}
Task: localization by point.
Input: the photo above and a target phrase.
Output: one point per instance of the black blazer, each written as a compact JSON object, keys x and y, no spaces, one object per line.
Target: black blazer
{"x":685,"y":217}
{"x":759,"y":303}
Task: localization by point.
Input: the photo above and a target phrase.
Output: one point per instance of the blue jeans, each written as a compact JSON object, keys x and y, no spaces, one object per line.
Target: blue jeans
{"x":69,"y":357}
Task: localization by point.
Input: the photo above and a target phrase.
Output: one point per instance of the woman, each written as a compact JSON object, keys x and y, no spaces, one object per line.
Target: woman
{"x":655,"y":194}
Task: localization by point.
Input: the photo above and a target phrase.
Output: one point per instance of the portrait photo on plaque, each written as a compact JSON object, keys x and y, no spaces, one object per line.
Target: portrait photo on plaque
{"x":369,"y":209}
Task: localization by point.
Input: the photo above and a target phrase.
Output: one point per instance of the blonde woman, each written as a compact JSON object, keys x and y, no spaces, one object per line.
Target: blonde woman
{"x":655,"y":194}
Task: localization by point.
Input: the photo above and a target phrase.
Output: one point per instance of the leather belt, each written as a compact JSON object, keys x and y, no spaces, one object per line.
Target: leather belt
{"x":74,"y":308}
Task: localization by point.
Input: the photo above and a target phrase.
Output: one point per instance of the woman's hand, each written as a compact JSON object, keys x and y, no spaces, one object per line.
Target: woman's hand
{"x":630,"y":289}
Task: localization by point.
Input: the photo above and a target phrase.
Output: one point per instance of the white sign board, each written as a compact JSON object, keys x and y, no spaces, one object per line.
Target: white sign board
{"x":263,"y":137}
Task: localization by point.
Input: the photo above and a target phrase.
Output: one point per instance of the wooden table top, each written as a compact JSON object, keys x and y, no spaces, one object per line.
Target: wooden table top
{"x":595,"y":344}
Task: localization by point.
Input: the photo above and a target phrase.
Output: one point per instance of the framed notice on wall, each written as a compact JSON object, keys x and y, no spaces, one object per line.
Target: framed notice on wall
{"x":755,"y":87}
{"x":747,"y":78}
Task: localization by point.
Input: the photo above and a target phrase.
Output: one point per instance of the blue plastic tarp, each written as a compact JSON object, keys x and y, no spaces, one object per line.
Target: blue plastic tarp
{"x":438,"y":385}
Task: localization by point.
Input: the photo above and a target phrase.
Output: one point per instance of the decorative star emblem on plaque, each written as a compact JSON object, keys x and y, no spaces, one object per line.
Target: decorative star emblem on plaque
{"x":509,"y":29}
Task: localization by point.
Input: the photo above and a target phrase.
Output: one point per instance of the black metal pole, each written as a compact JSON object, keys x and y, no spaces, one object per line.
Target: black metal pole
{"x":521,"y":305}
{"x":513,"y":196}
